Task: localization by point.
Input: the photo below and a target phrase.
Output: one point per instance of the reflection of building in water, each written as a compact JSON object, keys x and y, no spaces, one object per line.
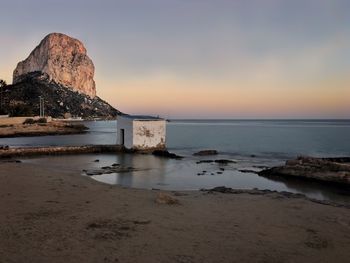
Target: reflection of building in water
{"x":150,"y":170}
{"x":141,"y":132}
{"x":124,"y":179}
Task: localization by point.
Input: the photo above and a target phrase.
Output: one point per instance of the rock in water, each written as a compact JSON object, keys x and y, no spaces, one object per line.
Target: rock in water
{"x":64,"y":60}
{"x":206,"y":152}
{"x":335,"y":170}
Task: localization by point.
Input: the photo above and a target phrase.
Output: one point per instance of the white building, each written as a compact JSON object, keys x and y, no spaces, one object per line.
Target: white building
{"x":141,"y":132}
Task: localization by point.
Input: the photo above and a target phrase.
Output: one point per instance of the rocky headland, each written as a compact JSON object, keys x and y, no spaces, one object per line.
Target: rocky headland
{"x":64,"y":59}
{"x":59,"y":71}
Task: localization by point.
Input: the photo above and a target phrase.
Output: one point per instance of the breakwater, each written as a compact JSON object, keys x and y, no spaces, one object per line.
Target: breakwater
{"x":57,"y":150}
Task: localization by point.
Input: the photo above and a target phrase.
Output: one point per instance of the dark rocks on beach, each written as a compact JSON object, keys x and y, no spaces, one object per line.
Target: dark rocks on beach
{"x":211,"y":173}
{"x":10,"y":161}
{"x":261,"y":166}
{"x":248,"y":171}
{"x":4,"y":147}
{"x":337,"y":159}
{"x":114,"y":168}
{"x":204,"y":161}
{"x":224,"y":161}
{"x":93,"y":173}
{"x":166,"y":154}
{"x":219,"y":161}
{"x":336,"y":170}
{"x":206,"y":152}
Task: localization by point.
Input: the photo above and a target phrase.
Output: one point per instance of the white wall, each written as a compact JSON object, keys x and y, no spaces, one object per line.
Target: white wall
{"x":127,"y":125}
{"x":149,"y":134}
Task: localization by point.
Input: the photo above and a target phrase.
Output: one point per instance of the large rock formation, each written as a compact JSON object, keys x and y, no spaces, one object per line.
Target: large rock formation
{"x":64,"y":60}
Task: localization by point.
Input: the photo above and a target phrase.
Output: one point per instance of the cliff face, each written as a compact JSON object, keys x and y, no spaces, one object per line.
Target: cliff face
{"x":64,"y":60}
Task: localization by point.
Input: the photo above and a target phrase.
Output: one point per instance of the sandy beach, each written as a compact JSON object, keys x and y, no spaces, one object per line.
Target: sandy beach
{"x":62,"y":216}
{"x":41,"y":129}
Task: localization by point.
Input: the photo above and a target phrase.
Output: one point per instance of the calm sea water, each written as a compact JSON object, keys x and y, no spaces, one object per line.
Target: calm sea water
{"x":251,"y":143}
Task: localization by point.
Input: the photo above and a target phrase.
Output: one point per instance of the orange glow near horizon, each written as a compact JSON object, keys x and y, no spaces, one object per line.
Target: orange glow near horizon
{"x":234,"y":98}
{"x":231,"y":99}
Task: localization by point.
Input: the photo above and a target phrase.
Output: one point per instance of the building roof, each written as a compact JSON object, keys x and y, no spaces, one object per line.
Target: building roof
{"x":141,"y":117}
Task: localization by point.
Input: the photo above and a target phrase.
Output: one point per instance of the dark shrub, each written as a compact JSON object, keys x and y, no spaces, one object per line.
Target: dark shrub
{"x":21,"y":110}
{"x":42,"y":120}
{"x":29,"y":121}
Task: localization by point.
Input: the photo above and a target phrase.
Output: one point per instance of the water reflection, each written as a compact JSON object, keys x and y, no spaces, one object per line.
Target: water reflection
{"x":148,"y":170}
{"x":314,"y":189}
{"x":161,"y":173}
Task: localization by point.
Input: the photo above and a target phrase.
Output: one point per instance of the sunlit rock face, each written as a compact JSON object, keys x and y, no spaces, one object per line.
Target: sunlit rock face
{"x":64,"y":60}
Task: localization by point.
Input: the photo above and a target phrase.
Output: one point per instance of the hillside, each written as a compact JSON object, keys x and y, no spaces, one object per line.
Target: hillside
{"x":22,"y":99}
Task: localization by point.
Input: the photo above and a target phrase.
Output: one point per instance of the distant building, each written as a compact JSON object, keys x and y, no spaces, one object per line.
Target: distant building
{"x":141,"y":132}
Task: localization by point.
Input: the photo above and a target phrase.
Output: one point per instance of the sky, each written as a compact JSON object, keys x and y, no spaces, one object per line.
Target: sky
{"x":199,"y":58}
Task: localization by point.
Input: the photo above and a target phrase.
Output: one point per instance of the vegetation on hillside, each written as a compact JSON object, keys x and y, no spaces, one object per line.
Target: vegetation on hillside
{"x":22,"y":99}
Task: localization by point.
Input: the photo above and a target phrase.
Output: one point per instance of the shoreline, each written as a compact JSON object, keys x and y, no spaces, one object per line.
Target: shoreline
{"x":61,"y":216}
{"x":41,"y":129}
{"x":58,"y":150}
{"x":280,"y":194}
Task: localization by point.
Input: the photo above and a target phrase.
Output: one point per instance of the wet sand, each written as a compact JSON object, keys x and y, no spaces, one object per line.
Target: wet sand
{"x":62,"y":216}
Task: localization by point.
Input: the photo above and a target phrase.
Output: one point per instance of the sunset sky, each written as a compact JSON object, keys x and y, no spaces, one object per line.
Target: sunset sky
{"x":199,"y":58}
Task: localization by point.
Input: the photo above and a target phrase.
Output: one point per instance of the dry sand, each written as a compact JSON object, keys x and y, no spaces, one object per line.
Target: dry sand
{"x":41,"y":129}
{"x":58,"y":216}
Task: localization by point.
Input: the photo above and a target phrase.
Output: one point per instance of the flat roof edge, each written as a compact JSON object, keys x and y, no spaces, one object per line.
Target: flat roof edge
{"x":141,"y":117}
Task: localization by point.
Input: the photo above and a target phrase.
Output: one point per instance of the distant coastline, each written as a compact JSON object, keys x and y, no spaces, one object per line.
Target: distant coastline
{"x":41,"y":129}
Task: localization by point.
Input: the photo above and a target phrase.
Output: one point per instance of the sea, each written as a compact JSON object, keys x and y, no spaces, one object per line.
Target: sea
{"x":252,"y":145}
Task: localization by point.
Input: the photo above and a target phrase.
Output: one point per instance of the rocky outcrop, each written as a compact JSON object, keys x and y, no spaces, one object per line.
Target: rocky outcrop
{"x":206,"y":152}
{"x":335,"y":170}
{"x":166,"y":154}
{"x":64,"y":60}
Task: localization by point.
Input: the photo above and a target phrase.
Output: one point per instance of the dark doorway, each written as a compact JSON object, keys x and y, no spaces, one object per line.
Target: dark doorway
{"x":122,"y":132}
